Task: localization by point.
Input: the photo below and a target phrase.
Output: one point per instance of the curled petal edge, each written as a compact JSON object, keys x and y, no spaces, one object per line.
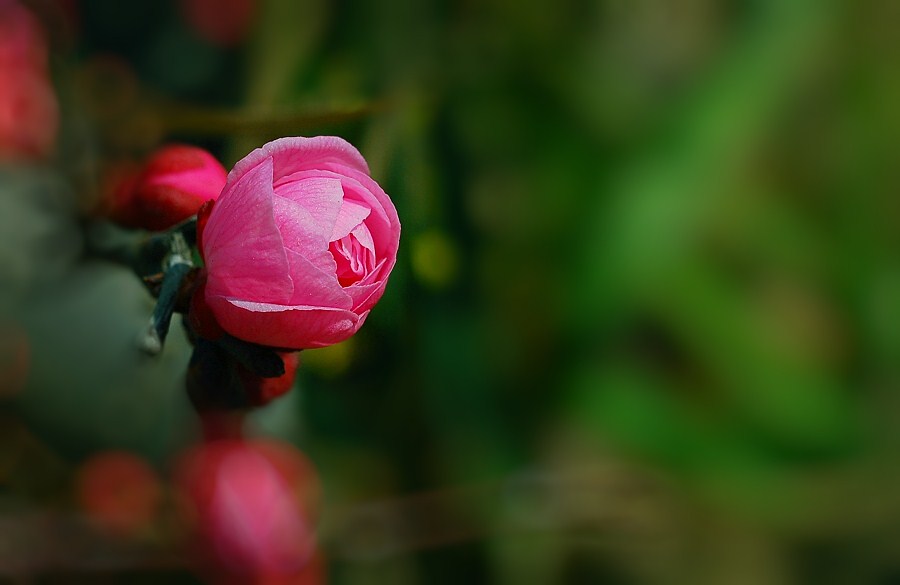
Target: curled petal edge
{"x":284,"y":326}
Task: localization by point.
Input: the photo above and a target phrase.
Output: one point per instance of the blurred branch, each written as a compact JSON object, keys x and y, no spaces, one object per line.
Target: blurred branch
{"x":35,"y":542}
{"x":622,"y":510}
{"x":572,"y":502}
{"x":227,"y":122}
{"x":541,"y":501}
{"x":142,"y":251}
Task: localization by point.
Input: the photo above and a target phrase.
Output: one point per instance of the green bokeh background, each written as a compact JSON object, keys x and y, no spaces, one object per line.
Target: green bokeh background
{"x":645,"y":323}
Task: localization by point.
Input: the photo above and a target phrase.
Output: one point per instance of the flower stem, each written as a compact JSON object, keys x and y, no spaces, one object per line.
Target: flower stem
{"x":153,"y":338}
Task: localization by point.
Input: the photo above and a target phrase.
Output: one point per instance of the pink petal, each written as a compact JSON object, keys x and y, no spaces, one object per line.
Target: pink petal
{"x":298,"y":153}
{"x":368,"y":291}
{"x":352,"y":260}
{"x":321,"y":197}
{"x":314,"y":287}
{"x":383,"y":223}
{"x":370,"y":189}
{"x":362,"y":319}
{"x":294,"y":327}
{"x":350,"y":216}
{"x":364,"y":236}
{"x":365,"y":295}
{"x":245,"y":254}
{"x":301,"y":233}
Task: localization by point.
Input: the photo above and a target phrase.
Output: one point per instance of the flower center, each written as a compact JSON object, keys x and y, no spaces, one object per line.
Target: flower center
{"x":354,"y":260}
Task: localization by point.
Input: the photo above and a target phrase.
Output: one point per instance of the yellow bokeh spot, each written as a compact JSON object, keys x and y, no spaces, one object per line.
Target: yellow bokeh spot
{"x":329,"y":361}
{"x":435,"y":259}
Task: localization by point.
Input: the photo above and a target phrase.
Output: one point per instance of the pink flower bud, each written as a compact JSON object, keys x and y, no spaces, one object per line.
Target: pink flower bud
{"x":171,"y":187}
{"x":249,"y":503}
{"x":29,"y":114}
{"x":300,"y":244}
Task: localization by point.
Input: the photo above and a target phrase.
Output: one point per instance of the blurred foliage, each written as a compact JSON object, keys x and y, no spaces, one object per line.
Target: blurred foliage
{"x":645,"y":326}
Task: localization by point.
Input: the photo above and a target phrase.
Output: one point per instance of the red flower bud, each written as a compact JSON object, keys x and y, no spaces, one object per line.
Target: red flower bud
{"x":232,"y":375}
{"x":170,"y":188}
{"x":261,"y":391}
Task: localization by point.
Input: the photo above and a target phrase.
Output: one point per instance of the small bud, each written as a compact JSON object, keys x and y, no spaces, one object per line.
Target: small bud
{"x":170,"y":188}
{"x":261,"y":391}
{"x":221,"y":376}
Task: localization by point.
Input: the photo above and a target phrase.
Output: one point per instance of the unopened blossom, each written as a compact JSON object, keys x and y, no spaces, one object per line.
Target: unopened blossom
{"x":299,"y":246}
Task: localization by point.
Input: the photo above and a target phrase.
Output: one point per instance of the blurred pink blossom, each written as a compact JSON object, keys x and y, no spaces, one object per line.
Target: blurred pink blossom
{"x":119,"y":491}
{"x":220,"y":22}
{"x":250,"y":502}
{"x":29,"y":114}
